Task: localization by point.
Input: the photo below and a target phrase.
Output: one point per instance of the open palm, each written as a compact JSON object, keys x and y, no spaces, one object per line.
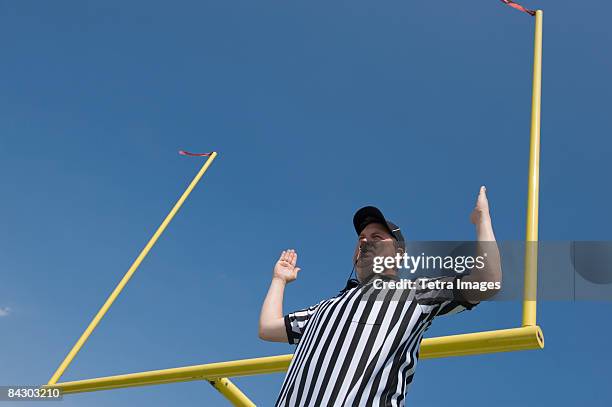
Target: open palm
{"x":285,"y":268}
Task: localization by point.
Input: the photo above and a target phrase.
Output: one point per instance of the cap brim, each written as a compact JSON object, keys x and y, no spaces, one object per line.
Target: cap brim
{"x":370,"y":214}
{"x":366,"y":215}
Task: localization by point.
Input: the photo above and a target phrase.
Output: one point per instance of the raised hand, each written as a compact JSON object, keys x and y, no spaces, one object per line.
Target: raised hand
{"x":480,"y":214}
{"x":285,"y":268}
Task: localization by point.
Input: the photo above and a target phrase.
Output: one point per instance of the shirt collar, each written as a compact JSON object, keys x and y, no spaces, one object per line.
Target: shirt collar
{"x":375,"y":276}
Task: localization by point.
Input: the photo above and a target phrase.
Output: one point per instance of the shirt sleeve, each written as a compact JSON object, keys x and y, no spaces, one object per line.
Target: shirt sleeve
{"x":442,"y":300}
{"x":295,"y":323}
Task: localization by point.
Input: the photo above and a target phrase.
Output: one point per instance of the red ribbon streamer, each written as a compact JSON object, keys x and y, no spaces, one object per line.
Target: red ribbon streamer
{"x":518,"y":7}
{"x":183,"y":152}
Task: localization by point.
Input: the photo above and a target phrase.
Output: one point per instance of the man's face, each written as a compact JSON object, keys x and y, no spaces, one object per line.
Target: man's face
{"x":374,"y":240}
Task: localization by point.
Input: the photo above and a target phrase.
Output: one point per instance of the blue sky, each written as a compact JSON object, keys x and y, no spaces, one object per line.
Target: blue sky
{"x":316,"y":109}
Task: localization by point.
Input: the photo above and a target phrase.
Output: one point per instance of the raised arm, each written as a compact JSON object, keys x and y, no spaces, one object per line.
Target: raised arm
{"x":481,"y":218}
{"x":271,"y":320}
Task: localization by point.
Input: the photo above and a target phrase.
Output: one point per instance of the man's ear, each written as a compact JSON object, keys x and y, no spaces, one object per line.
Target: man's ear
{"x":401,"y":250}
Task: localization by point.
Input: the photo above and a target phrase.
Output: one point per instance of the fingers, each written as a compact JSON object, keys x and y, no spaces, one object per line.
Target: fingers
{"x":289,"y":255}
{"x":482,"y":192}
{"x":482,"y":201}
{"x":293,"y":260}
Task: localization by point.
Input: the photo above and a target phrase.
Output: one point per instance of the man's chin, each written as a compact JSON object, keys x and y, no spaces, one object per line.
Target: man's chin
{"x":364,"y":274}
{"x":364,"y":269}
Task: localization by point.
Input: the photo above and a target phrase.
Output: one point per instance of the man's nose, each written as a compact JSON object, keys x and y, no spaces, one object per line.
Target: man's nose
{"x":363,"y":243}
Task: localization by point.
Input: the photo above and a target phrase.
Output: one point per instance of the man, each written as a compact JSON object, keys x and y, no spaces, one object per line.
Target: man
{"x":360,"y":348}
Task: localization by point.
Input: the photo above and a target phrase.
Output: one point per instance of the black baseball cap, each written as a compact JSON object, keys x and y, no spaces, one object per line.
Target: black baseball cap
{"x":370,"y":214}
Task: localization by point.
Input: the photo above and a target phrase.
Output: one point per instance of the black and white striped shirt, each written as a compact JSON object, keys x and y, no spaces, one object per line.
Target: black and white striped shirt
{"x":360,"y":348}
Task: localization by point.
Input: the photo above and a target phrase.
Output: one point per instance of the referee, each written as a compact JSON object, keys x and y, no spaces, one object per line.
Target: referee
{"x":360,"y":348}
